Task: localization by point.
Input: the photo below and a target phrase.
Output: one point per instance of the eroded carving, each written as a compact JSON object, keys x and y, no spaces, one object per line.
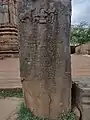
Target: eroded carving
{"x":52,"y":12}
{"x":41,"y":17}
{"x":26,"y":15}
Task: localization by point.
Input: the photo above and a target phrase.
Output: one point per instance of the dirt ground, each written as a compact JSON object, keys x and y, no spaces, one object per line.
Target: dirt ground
{"x":9,"y":108}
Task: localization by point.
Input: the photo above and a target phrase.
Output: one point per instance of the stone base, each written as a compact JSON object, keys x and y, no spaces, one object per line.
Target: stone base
{"x":81,"y":97}
{"x":43,"y":103}
{"x":9,"y":54}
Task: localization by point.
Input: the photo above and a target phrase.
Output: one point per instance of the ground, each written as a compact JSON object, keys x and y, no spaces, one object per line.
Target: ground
{"x":9,"y":107}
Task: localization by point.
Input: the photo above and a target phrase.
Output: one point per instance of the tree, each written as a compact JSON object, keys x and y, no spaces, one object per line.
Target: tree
{"x":80,"y":33}
{"x":45,"y":56}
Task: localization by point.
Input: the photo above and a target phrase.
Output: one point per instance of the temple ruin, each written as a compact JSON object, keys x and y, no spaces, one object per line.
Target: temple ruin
{"x":8,"y":27}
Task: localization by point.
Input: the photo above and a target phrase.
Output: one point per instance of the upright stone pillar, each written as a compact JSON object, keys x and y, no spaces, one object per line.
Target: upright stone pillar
{"x":45,"y":55}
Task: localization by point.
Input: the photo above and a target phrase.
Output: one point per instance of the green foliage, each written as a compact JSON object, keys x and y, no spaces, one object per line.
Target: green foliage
{"x":80,"y":33}
{"x":67,"y":116}
{"x":25,"y":114}
{"x":11,"y":93}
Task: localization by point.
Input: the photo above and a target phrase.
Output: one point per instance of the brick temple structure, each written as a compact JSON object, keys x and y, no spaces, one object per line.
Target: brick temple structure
{"x":8,"y":27}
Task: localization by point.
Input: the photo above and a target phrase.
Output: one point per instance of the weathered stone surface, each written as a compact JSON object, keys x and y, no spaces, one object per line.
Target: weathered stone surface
{"x":83,"y":49}
{"x":81,"y":98}
{"x":45,"y":55}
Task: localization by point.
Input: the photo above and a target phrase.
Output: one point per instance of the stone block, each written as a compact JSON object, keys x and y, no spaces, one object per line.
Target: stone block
{"x":81,"y":97}
{"x":83,"y":49}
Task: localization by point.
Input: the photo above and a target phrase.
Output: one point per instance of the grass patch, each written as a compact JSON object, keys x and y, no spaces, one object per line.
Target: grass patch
{"x":11,"y":93}
{"x":25,"y":114}
{"x":67,"y":116}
